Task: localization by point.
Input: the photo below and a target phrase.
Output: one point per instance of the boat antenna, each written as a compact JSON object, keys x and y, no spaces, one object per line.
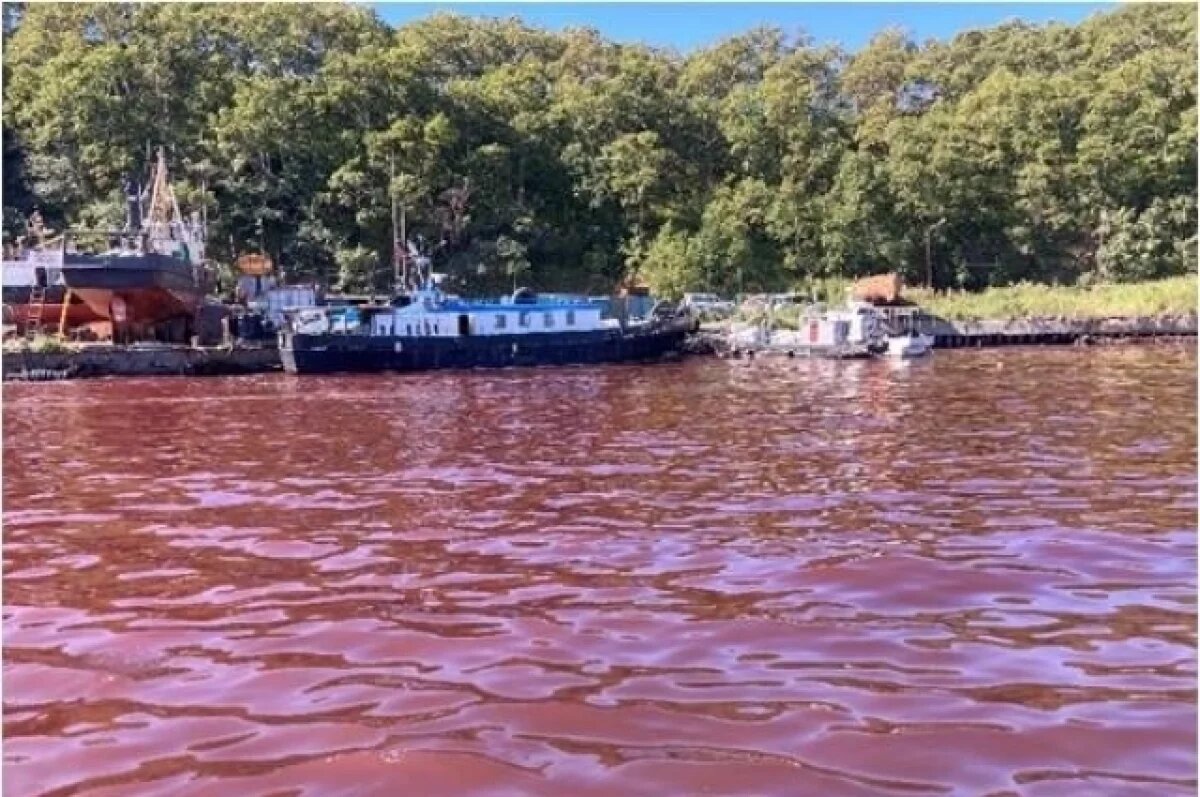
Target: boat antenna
{"x":399,"y":259}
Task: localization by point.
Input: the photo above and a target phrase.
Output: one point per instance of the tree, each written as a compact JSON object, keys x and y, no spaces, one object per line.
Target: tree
{"x":1017,"y":152}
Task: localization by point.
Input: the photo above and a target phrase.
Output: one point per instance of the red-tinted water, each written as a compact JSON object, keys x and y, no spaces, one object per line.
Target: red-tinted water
{"x":965,"y":576}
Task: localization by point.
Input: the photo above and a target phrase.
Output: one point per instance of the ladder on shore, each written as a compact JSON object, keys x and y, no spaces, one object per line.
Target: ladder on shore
{"x":34,"y":312}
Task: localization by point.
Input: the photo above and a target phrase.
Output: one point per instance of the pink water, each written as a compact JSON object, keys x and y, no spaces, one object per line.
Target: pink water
{"x":973,"y":575}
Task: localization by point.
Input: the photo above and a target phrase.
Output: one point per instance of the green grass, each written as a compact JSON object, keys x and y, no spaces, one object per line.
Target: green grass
{"x":1175,"y":295}
{"x":1172,"y":296}
{"x":41,"y":344}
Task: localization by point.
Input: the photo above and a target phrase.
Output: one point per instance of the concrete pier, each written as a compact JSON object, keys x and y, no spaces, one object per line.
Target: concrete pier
{"x":1056,"y":331}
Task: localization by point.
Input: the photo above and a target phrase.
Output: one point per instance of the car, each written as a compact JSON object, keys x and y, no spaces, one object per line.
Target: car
{"x":788,"y":300}
{"x":708,"y":303}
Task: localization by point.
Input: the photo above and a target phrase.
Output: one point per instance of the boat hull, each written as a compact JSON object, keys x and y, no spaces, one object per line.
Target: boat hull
{"x":153,"y":287}
{"x":332,"y":353}
{"x":909,"y":346}
{"x":17,"y":308}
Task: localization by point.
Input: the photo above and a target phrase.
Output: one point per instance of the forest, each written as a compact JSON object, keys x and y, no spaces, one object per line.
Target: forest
{"x":1058,"y":154}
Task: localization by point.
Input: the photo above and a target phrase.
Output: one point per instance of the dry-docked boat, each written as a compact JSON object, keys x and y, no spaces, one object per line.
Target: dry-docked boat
{"x":35,"y":298}
{"x":154,"y":279}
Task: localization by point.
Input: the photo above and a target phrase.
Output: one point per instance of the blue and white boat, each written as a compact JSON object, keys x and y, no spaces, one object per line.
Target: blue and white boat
{"x":427,"y":330}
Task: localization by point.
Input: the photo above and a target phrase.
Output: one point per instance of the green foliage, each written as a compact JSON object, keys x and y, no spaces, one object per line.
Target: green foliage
{"x":41,"y":344}
{"x":358,"y":268}
{"x":561,"y":160}
{"x":1176,"y":295}
{"x":1148,"y":245}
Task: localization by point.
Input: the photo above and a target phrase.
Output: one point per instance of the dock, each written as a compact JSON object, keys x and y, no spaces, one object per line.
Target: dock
{"x":736,"y":340}
{"x":1057,"y":331}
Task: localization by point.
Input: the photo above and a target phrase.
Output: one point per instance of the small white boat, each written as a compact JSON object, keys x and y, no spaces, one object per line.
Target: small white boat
{"x":909,"y":345}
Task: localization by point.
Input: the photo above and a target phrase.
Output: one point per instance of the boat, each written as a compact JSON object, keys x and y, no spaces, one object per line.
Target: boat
{"x":425,"y":329}
{"x":849,"y":332}
{"x":909,"y":345}
{"x":34,"y":296}
{"x":904,"y":327}
{"x":152,"y":279}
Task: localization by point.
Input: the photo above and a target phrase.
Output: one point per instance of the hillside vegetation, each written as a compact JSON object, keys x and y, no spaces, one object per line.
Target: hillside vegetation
{"x":1014,"y":154}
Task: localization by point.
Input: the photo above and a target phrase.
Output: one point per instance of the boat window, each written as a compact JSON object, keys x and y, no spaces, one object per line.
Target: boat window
{"x":570,"y":318}
{"x":426,"y":327}
{"x":525,"y":319}
{"x":548,"y":319}
{"x":501,"y":321}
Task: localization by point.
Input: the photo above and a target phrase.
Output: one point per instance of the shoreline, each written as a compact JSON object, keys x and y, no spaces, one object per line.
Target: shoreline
{"x":101,"y":360}
{"x":730,"y":338}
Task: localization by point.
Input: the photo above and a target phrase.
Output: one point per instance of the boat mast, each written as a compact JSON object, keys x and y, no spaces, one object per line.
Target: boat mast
{"x":163,"y":218}
{"x":397,"y":236}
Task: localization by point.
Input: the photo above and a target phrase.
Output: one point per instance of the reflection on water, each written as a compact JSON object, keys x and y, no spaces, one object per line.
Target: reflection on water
{"x":969,"y":575}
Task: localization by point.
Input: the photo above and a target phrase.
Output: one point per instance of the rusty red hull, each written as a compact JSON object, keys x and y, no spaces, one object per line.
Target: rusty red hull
{"x":78,"y":314}
{"x":150,"y":288}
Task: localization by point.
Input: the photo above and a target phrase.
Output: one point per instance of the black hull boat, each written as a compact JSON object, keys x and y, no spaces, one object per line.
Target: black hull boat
{"x":336,"y":353}
{"x":35,"y":298}
{"x":424,"y":330}
{"x":152,"y":287}
{"x":152,"y":280}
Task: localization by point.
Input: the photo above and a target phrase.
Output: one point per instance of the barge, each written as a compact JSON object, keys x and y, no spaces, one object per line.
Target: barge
{"x":427,"y":330}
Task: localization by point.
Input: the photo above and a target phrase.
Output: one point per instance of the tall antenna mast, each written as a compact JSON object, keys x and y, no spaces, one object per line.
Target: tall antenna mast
{"x":396,"y":256}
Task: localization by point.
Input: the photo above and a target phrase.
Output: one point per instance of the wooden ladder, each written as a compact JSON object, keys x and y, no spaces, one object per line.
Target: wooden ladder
{"x":34,"y":312}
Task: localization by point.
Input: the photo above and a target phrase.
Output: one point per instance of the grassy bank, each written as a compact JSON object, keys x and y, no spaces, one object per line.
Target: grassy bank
{"x":1176,"y":295}
{"x":41,"y":344}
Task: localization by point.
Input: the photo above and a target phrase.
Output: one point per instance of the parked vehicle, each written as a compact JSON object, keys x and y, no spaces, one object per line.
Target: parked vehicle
{"x":706,"y":303}
{"x":789,"y":300}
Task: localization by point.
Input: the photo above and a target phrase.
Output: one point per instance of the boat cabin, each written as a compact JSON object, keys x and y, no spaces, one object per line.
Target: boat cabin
{"x":427,"y":313}
{"x":857,"y":324}
{"x":430,"y":315}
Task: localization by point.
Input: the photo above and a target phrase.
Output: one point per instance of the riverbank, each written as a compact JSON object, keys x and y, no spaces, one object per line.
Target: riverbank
{"x":1173,"y":296}
{"x":1058,"y":331}
{"x":95,"y":360}
{"x":720,"y":339}
{"x":733,"y":337}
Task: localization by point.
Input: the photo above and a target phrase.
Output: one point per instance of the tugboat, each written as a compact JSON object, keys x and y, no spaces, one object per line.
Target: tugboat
{"x":425,"y":330}
{"x":152,"y":280}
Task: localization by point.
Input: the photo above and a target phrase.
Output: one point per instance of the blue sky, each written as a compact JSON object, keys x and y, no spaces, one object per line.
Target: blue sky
{"x":686,"y":26}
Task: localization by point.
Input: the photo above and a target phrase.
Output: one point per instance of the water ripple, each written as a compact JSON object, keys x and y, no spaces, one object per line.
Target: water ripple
{"x":779,"y":578}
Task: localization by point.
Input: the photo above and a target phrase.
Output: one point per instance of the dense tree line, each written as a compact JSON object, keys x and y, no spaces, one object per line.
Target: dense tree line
{"x":565,"y":161}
